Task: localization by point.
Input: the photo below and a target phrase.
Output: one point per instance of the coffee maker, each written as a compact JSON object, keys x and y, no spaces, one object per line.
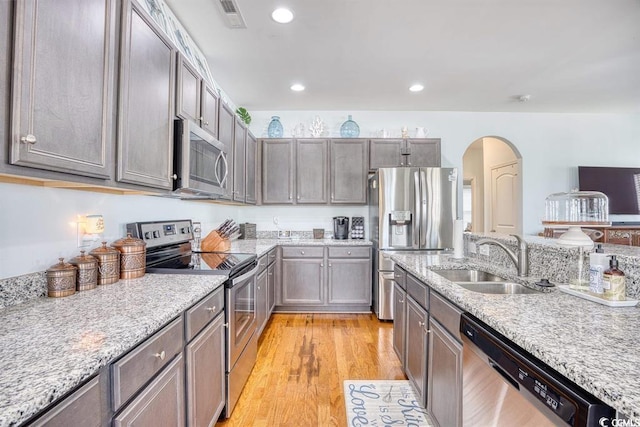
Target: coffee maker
{"x":341,"y":227}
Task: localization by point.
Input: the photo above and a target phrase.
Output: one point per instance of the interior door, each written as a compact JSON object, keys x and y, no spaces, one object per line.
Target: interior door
{"x":506,"y":198}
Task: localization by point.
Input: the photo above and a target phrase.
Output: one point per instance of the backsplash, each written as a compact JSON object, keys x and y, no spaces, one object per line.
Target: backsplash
{"x":551,"y":261}
{"x":16,"y":290}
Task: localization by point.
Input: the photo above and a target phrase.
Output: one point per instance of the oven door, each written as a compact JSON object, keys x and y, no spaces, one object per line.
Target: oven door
{"x":200,"y":161}
{"x":241,"y":315}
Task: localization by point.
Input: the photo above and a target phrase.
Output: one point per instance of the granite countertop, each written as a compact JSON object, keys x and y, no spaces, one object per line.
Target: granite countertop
{"x":262,"y":246}
{"x":49,"y":346}
{"x":593,"y":345}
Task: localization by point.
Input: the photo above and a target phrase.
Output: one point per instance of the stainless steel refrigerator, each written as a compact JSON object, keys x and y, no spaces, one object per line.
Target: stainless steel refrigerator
{"x":410,"y":209}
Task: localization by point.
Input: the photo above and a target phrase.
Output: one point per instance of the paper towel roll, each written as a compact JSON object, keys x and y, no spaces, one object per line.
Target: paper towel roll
{"x":458,"y":240}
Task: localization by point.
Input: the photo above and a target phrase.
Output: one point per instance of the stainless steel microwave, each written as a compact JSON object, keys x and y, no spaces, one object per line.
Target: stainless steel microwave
{"x":199,"y":161}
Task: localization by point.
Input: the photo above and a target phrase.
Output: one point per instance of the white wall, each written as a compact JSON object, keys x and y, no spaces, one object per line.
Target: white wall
{"x":551,"y":145}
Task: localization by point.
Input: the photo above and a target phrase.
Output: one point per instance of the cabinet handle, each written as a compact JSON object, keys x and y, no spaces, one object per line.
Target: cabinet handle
{"x":161,"y":355}
{"x":270,"y":274}
{"x":29,"y":139}
{"x":298,"y":197}
{"x":211,"y":308}
{"x":201,"y":118}
{"x":226,"y":325}
{"x":302,"y":252}
{"x":174,"y":177}
{"x":321,"y":265}
{"x":258,"y":287}
{"x":349,"y":253}
{"x":329,"y":265}
{"x":206,"y":123}
{"x":421,"y":324}
{"x":401,"y":301}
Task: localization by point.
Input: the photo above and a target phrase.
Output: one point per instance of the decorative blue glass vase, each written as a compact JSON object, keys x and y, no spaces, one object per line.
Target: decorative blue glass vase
{"x":275,"y":128}
{"x":349,"y":129}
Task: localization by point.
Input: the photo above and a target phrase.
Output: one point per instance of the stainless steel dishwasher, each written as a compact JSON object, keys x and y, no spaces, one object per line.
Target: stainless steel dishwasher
{"x":503,"y":385}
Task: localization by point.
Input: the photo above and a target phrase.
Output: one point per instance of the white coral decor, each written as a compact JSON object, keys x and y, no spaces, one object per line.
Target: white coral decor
{"x":317,"y":127}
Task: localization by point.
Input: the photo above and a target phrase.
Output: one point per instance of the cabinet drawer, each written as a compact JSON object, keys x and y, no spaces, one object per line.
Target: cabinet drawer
{"x":400,"y":277}
{"x":303,"y":252}
{"x":418,"y":291}
{"x":263,"y":261}
{"x":272,"y":255}
{"x":198,"y":316}
{"x":446,"y":314}
{"x":348,"y":252}
{"x":143,"y":362}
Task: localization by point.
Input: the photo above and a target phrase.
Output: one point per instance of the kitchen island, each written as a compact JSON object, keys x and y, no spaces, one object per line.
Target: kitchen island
{"x":592,"y":345}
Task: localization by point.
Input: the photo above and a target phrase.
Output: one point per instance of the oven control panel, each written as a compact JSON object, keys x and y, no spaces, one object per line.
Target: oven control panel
{"x":160,"y":233}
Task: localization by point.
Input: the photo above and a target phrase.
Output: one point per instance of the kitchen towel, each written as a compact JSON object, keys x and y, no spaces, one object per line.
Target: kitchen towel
{"x":383,"y":403}
{"x":458,"y":239}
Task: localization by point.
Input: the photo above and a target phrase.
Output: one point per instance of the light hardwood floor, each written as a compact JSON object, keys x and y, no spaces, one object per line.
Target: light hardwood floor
{"x":303,"y":360}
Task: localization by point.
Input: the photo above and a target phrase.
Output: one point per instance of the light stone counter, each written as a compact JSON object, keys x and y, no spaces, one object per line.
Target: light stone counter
{"x":593,"y":345}
{"x":262,"y":246}
{"x":49,"y":346}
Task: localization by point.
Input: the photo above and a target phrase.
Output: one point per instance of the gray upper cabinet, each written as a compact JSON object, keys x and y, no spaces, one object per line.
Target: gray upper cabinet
{"x":311,"y":170}
{"x":391,"y":153}
{"x":146,"y":103}
{"x":196,"y":100}
{"x":348,"y":170}
{"x":250,"y":169}
{"x":239,"y":159}
{"x":278,"y":163}
{"x":62,"y":101}
{"x":226,"y":127}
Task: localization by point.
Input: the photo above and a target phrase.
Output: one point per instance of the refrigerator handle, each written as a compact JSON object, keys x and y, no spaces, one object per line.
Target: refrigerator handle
{"x":423,"y":209}
{"x":416,"y":211}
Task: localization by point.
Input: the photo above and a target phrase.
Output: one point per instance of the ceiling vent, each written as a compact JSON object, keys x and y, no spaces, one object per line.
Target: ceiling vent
{"x":231,"y":14}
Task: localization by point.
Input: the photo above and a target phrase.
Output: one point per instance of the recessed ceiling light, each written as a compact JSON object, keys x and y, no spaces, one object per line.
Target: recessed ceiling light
{"x":282,"y":15}
{"x":297,"y":87}
{"x":416,"y":87}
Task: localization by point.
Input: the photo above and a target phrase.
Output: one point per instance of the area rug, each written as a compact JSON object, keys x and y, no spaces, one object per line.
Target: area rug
{"x":382,"y":403}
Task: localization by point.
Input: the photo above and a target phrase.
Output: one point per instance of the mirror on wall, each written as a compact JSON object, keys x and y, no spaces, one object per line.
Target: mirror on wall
{"x":492,"y":186}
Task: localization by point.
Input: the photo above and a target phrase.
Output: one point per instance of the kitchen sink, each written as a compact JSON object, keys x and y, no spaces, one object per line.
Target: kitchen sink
{"x":463,"y":276}
{"x":499,"y":288}
{"x":485,"y":283}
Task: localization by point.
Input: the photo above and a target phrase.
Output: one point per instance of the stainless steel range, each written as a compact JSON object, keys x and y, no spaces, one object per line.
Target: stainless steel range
{"x":169,"y":252}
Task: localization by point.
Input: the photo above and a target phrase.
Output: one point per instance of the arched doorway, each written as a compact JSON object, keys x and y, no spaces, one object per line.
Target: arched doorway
{"x":492,"y":186}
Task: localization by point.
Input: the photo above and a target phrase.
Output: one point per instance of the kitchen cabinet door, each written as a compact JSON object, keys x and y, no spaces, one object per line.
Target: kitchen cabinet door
{"x":416,"y":348}
{"x":349,"y":281}
{"x":62,"y":101}
{"x":312,"y":161}
{"x":205,"y":370}
{"x":251,"y":166}
{"x":226,"y":127}
{"x":209,"y":108}
{"x":423,"y":152}
{"x":188,"y":97}
{"x":262,"y":301}
{"x":348,"y":171}
{"x":271,"y":284}
{"x":445,"y":376}
{"x":303,"y":281}
{"x":399,"y":319}
{"x":278,"y":166}
{"x":161,"y":403}
{"x":239,"y":158}
{"x":386,"y":153}
{"x":146,"y":103}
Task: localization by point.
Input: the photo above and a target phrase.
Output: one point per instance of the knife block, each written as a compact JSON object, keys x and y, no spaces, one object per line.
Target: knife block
{"x":213,"y":242}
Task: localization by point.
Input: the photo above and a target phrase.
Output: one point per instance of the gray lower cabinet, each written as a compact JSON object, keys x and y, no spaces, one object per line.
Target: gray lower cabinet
{"x":349,"y":168}
{"x":389,"y":153}
{"x":312,"y":161}
{"x":85,"y":407}
{"x":349,"y":276}
{"x":62,"y":102}
{"x":239,"y":161}
{"x":250,"y":169}
{"x":262,"y":298}
{"x":205,"y":371}
{"x":416,"y":348}
{"x":271,"y":283}
{"x":226,"y":127}
{"x":445,"y":363}
{"x":303,"y":281}
{"x":146,"y":102}
{"x":278,"y":171}
{"x":399,"y":315}
{"x":161,"y":403}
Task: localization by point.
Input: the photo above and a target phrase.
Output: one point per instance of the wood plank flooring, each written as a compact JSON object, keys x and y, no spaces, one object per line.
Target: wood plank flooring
{"x":303,"y":360}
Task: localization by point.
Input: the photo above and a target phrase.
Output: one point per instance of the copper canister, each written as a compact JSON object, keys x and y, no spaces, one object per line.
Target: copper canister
{"x":108,"y":264}
{"x":132,"y":256}
{"x":87,"y":276}
{"x":61,"y":279}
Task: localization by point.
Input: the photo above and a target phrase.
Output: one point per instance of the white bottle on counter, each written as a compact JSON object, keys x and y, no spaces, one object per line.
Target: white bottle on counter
{"x":598,"y":263}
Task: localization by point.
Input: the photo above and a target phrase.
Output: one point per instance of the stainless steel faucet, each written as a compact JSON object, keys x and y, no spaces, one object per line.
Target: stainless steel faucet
{"x":521,"y":259}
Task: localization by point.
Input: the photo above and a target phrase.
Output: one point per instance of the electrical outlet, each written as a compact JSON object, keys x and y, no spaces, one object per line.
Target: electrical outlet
{"x":485,"y":250}
{"x":276,"y":220}
{"x":472,"y":248}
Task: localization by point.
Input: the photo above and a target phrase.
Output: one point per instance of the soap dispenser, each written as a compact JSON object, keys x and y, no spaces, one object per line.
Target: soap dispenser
{"x":598,"y":263}
{"x":613,"y":282}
